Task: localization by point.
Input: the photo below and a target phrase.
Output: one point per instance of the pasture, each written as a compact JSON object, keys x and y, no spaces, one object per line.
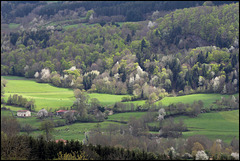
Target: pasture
{"x":207,"y":99}
{"x":48,"y":96}
{"x":125,"y":116}
{"x":107,"y":99}
{"x":217,"y":125}
{"x":74,"y":131}
{"x":13,"y":108}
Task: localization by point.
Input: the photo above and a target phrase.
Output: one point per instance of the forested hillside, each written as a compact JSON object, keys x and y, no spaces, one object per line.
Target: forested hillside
{"x":189,"y":50}
{"x":120,"y":79}
{"x":131,"y":10}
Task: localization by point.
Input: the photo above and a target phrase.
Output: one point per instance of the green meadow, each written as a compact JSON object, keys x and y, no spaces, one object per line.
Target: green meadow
{"x":222,"y":125}
{"x":13,"y":108}
{"x":137,"y":103}
{"x":107,"y":99}
{"x":74,"y":131}
{"x":44,"y":94}
{"x":13,"y":25}
{"x":48,"y":96}
{"x":125,"y":116}
{"x":216,"y":125}
{"x":207,"y":99}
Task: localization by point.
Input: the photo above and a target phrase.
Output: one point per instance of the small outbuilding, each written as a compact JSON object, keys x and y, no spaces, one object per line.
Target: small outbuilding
{"x":23,"y":113}
{"x":61,"y":112}
{"x":62,"y":140}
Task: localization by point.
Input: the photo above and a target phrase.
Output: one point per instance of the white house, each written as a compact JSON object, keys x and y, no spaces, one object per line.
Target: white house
{"x":23,"y":113}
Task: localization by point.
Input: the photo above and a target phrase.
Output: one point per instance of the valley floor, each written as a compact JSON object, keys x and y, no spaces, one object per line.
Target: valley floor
{"x":215,"y":125}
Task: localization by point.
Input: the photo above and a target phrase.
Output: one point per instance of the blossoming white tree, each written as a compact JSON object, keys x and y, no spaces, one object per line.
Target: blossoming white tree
{"x":201,"y":155}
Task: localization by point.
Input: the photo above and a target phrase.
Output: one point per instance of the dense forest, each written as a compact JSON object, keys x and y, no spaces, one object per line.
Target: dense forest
{"x":133,"y":11}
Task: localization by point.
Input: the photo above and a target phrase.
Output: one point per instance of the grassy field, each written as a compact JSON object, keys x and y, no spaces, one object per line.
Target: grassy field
{"x":6,"y":113}
{"x":207,"y":99}
{"x":48,"y":96}
{"x":217,"y":125}
{"x":137,"y":103}
{"x":125,"y":116}
{"x":107,"y":99}
{"x":75,"y":131}
{"x":13,"y":108}
{"x":13,"y":25}
{"x":45,"y":95}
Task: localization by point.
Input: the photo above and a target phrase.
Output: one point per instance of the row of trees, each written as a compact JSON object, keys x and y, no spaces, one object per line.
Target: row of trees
{"x":39,"y":149}
{"x":19,"y":100}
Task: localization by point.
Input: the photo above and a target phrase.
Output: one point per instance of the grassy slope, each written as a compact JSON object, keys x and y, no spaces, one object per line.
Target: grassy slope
{"x":207,"y":99}
{"x":48,"y":96}
{"x":125,"y":116}
{"x":107,"y":99}
{"x":45,"y":95}
{"x":222,"y":125}
{"x":13,"y":25}
{"x":74,"y":131}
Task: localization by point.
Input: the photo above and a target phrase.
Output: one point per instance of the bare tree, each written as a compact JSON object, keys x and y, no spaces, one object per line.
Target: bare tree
{"x":10,"y":126}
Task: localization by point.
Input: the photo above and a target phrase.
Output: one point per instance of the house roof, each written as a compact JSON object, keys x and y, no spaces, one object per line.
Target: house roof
{"x":23,"y":111}
{"x":61,"y":140}
{"x":61,"y":111}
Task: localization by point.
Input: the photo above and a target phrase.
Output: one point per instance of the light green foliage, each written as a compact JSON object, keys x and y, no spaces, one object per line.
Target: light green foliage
{"x":76,"y":73}
{"x":220,"y":56}
{"x":132,"y":26}
{"x":89,"y":13}
{"x":215,"y":67}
